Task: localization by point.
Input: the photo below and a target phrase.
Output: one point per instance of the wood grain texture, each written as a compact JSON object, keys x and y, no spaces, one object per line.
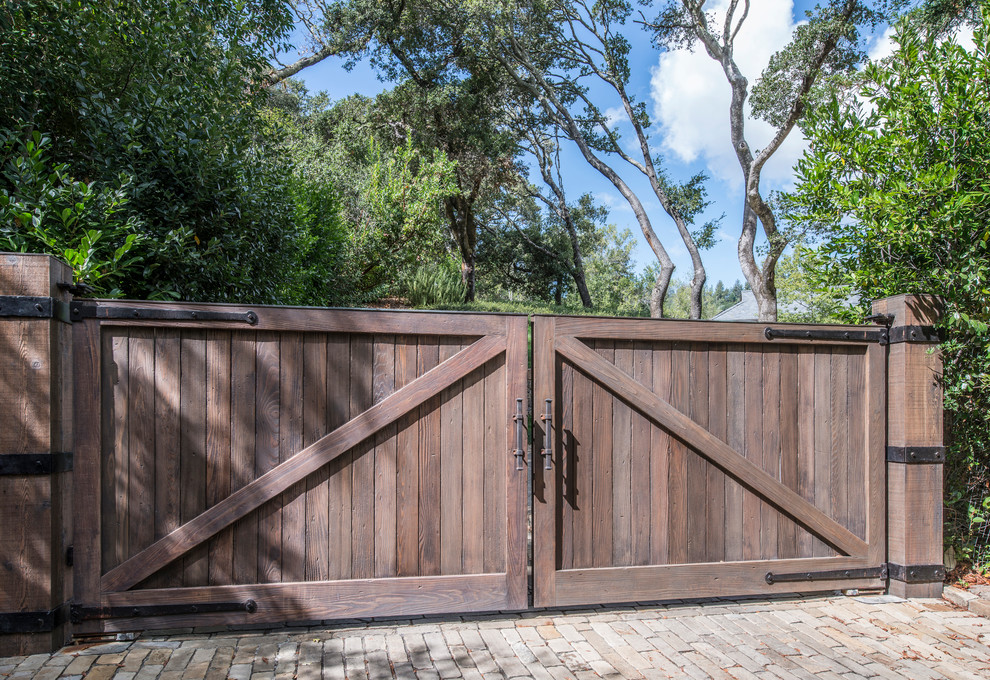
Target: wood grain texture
{"x":660,"y":455}
{"x":451,"y":468}
{"x":242,"y":452}
{"x":266,"y":455}
{"x":383,"y":384}
{"x":298,"y":467}
{"x":789,"y":447}
{"x":697,"y":467}
{"x":192,"y":465}
{"x":550,"y":503}
{"x":715,"y":485}
{"x":407,"y":467}
{"x":601,"y":506}
{"x":516,"y":557}
{"x":315,"y":412}
{"x":752,"y":504}
{"x":769,"y":517}
{"x":88,"y":399}
{"x":496,"y":448}
{"x":622,"y":500}
{"x":429,"y":466}
{"x":363,"y":462}
{"x":640,"y":468}
{"x":218,"y":459}
{"x":290,"y":441}
{"x":736,"y":438}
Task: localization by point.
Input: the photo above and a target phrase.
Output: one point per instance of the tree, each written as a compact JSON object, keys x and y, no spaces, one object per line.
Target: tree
{"x":895,"y":185}
{"x":827,"y":44}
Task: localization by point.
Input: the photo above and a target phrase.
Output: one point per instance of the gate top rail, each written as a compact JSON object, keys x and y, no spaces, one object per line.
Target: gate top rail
{"x":280,"y":318}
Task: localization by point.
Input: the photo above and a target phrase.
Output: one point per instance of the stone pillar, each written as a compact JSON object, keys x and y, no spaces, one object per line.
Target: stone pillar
{"x":35,"y":453}
{"x":915,"y":450}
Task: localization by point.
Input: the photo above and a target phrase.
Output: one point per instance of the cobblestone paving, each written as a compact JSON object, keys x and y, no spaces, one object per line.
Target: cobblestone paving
{"x":865,"y":637}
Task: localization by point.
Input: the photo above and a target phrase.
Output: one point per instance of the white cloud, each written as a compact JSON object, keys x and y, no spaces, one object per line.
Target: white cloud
{"x":691,"y":97}
{"x":615,"y":115}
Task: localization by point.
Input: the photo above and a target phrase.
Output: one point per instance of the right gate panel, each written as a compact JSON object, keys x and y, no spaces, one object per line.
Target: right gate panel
{"x":692,"y":459}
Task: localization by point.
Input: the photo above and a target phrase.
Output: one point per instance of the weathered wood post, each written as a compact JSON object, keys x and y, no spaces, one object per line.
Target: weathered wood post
{"x":35,"y":453}
{"x":915,"y":451}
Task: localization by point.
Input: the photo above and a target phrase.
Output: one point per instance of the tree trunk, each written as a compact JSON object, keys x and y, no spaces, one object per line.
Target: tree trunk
{"x":582,"y":285}
{"x":464,"y":230}
{"x":659,"y":292}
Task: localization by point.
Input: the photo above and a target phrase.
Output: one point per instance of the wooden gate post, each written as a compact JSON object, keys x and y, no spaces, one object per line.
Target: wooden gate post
{"x":915,"y":451}
{"x":35,"y":453}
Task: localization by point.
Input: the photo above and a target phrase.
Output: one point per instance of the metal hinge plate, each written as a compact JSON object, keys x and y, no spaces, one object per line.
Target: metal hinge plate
{"x":91,"y":310}
{"x":916,"y":454}
{"x":81,"y":613}
{"x":829,"y":575}
{"x":845,"y":335}
{"x":34,"y":307}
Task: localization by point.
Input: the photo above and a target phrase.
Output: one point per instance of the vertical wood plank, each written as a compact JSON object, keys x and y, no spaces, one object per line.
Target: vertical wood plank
{"x":717,"y":423}
{"x":551,"y":503}
{"x":363,"y":465}
{"x":677,"y":477}
{"x":290,"y":426}
{"x":856,"y":449}
{"x":495,"y":452}
{"x":192,"y":467}
{"x":806,"y":441}
{"x":581,"y":499}
{"x":735,"y":366}
{"x":876,"y":441}
{"x":516,"y":558}
{"x":429,"y":466}
{"x":562,"y":491}
{"x":90,"y":407}
{"x":266,"y":445}
{"x":697,"y":467}
{"x":770,"y":517}
{"x":141,"y":445}
{"x":339,"y":470}
{"x":242,"y":446}
{"x":622,"y":503}
{"x":218,"y":452}
{"x":385,"y":470}
{"x":660,"y":456}
{"x":315,"y":412}
{"x":167,"y":447}
{"x":451,"y":471}
{"x":115,"y":471}
{"x":752,"y":504}
{"x":823,"y":438}
{"x":840,"y":436}
{"x":601,"y":453}
{"x":407,"y":467}
{"x":789,"y":444}
{"x":640,"y":451}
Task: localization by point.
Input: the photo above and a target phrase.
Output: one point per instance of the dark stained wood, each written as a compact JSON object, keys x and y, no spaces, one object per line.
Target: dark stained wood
{"x":677,"y":473}
{"x":451,"y":467}
{"x":823,"y":437}
{"x":735,"y":366}
{"x":192,"y":466}
{"x":549,"y":502}
{"x":218,"y":458}
{"x":407,"y":466}
{"x":601,"y":464}
{"x":114,"y":477}
{"x":660,"y":454}
{"x":383,"y":384}
{"x":857,"y":449}
{"x":840,"y":437}
{"x":806,"y":441}
{"x":167,"y":426}
{"x":363,"y":463}
{"x":302,"y":464}
{"x":582,"y":517}
{"x":717,"y":423}
{"x":339,"y":470}
{"x":290,"y":441}
{"x":752,"y":505}
{"x":622,"y":500}
{"x":876,"y":440}
{"x":697,"y":467}
{"x":789,"y":447}
{"x":641,"y":452}
{"x":633,"y":584}
{"x":428,"y":356}
{"x":771,"y":446}
{"x":591,"y":328}
{"x":496,"y":450}
{"x":516,"y":487}
{"x":242,"y":443}
{"x":141,"y":440}
{"x":315,"y":427}
{"x":266,"y":455}
{"x":353,"y":598}
{"x":713,"y":449}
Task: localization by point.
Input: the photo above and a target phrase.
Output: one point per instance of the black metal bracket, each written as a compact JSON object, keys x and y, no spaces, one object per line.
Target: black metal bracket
{"x":928,"y":335}
{"x":916,"y":573}
{"x":92,"y":310}
{"x":32,"y":622}
{"x":34,"y":307}
{"x":878,"y":335}
{"x":35,"y":463}
{"x":916,"y":454}
{"x":520,"y":451}
{"x":547,"y":451}
{"x":80,"y":613}
{"x":77,"y":288}
{"x":831,"y":575}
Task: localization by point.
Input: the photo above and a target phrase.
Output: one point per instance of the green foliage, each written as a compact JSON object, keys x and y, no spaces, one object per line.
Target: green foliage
{"x":800,"y":298}
{"x":896,"y":185}
{"x":434,"y":287}
{"x":713,"y":299}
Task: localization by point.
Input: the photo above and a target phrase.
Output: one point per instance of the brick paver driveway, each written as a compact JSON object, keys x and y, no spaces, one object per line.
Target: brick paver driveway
{"x":841,"y":637}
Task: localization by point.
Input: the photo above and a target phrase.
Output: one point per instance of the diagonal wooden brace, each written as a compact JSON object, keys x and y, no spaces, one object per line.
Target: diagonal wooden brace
{"x":299,"y":466}
{"x":712,"y":448}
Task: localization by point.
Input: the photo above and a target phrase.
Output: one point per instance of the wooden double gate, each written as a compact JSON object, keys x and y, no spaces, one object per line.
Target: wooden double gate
{"x":257,"y":464}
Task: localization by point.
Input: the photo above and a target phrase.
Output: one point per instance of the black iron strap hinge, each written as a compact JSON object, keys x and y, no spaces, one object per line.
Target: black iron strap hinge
{"x":35,"y":463}
{"x":878,"y":335}
{"x":916,"y":454}
{"x":830,"y":575}
{"x":81,"y":613}
{"x":920,"y":573}
{"x":922,"y":334}
{"x":34,"y":307}
{"x":93,"y":310}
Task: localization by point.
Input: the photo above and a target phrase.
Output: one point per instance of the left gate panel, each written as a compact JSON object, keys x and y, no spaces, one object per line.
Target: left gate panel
{"x":416,"y":510}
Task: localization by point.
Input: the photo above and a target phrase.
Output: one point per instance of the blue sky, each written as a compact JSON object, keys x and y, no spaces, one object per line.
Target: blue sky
{"x":687,"y":98}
